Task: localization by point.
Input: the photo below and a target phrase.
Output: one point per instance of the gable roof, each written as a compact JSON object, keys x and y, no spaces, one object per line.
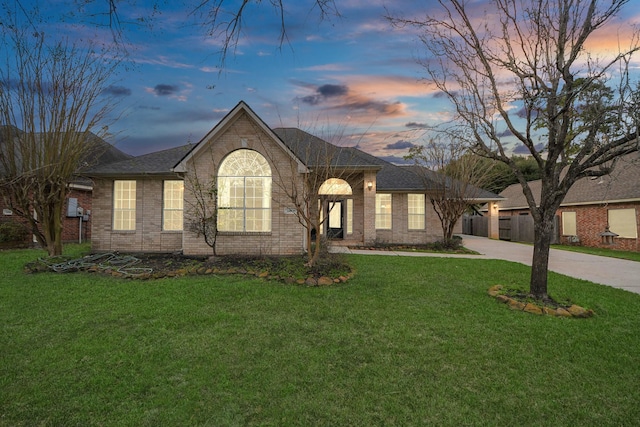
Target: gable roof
{"x":314,"y":152}
{"x":623,"y":184}
{"x":156,"y":163}
{"x":308,"y":150}
{"x":241,"y":107}
{"x":98,"y":151}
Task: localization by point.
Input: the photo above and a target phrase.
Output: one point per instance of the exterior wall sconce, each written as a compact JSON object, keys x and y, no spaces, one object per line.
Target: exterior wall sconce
{"x":369,"y":185}
{"x":495,"y":206}
{"x":608,"y":236}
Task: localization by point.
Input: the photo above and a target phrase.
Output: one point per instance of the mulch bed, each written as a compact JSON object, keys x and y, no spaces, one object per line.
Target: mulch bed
{"x":330,"y":270}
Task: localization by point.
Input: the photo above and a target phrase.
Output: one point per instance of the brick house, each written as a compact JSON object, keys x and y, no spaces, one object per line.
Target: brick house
{"x":76,"y":218}
{"x":591,"y":205}
{"x":142,"y":204}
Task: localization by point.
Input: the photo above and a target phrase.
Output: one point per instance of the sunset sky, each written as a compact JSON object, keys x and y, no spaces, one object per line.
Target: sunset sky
{"x":351,"y":79}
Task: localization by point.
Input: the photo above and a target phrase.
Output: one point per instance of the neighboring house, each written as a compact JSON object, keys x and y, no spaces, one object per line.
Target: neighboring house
{"x":591,"y":205}
{"x":77,"y":210}
{"x":142,"y":204}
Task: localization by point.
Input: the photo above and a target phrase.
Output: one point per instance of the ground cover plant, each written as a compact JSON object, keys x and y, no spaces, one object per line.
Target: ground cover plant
{"x":406,"y":341}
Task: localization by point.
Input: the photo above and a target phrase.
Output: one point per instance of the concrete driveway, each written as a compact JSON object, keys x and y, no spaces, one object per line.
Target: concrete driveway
{"x":613,"y":272}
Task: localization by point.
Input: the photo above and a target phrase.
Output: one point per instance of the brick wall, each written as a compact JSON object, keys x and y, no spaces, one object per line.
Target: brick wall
{"x":400,"y":232}
{"x":70,"y":225}
{"x":286,"y":235}
{"x":148,"y":235}
{"x":591,"y":221}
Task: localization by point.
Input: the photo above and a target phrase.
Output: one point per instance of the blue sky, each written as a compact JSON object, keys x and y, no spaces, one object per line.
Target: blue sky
{"x":353,"y":80}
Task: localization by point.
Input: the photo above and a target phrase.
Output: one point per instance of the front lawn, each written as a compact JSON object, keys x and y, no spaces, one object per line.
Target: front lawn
{"x":406,"y":341}
{"x":612,"y":253}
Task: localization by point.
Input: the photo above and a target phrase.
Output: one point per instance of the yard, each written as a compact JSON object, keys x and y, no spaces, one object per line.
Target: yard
{"x":406,"y":341}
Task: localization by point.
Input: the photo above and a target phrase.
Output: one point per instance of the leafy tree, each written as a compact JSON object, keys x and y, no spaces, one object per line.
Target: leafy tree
{"x":503,"y":176}
{"x":526,"y":68}
{"x":50,"y":100}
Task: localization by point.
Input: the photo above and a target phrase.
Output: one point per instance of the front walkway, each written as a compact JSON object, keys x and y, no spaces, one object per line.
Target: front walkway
{"x":613,"y":272}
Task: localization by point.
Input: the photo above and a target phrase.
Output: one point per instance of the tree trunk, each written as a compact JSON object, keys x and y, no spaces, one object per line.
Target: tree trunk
{"x":543,"y":234}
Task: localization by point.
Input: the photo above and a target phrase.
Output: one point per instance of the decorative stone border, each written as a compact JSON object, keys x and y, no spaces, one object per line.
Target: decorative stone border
{"x":571,"y":311}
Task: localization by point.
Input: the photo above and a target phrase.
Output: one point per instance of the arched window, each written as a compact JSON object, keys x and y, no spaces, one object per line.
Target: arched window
{"x":244,"y":193}
{"x":335,"y":186}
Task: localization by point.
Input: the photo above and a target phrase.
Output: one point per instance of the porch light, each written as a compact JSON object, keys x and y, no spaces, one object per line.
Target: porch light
{"x":608,"y":236}
{"x":369,"y":185}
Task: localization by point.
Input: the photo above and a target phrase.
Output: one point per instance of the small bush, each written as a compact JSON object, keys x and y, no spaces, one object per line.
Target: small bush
{"x":13,"y":231}
{"x":453,"y":244}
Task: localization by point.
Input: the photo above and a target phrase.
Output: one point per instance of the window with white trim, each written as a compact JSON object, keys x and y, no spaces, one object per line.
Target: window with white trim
{"x":623,"y":223}
{"x":383,"y":211}
{"x":124,"y":205}
{"x":569,"y":227}
{"x":416,"y":211}
{"x":244,"y":193}
{"x":173,"y":202}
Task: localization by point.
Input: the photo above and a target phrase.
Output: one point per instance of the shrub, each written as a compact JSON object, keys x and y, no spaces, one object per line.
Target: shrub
{"x":12,"y":231}
{"x":453,"y":244}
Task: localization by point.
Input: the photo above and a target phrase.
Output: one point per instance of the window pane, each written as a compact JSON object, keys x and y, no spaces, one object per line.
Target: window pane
{"x":623,"y":223}
{"x":569,"y":224}
{"x":244,"y":192}
{"x":335,"y":186}
{"x":124,"y":205}
{"x":172,"y":214}
{"x":349,"y":216}
{"x":416,"y":211}
{"x":383,"y":211}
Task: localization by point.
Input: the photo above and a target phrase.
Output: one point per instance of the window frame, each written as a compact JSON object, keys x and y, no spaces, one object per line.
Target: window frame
{"x":124,"y":209}
{"x":240,"y":205}
{"x":569,"y":222}
{"x":419,"y":212}
{"x":169,"y":212}
{"x":623,"y":229}
{"x":384,"y":219}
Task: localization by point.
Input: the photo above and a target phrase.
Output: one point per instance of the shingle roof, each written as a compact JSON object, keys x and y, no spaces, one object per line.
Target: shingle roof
{"x":99,"y":152}
{"x":158,"y":163}
{"x":309,"y":149}
{"x":314,"y":151}
{"x":623,"y":184}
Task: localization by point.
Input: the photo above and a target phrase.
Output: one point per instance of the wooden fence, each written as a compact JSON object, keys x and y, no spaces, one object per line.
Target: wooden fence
{"x":517,"y":228}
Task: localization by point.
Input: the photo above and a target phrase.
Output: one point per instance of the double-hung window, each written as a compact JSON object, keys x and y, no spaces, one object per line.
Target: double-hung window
{"x":416,"y":211}
{"x":172,"y":209}
{"x":124,"y":205}
{"x":383,"y":211}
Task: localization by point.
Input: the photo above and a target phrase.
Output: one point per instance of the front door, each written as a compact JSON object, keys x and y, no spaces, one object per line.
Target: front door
{"x":335,"y":228}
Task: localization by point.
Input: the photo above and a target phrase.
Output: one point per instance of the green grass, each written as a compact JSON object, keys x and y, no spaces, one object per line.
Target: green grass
{"x":408,"y":341}
{"x":628,"y":255}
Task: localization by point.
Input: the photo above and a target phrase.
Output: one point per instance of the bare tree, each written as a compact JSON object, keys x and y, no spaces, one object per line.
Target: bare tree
{"x":525,"y":70}
{"x":454,"y":177}
{"x":317,"y":187}
{"x":202,"y":207}
{"x":224,"y":20}
{"x":51,"y":97}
